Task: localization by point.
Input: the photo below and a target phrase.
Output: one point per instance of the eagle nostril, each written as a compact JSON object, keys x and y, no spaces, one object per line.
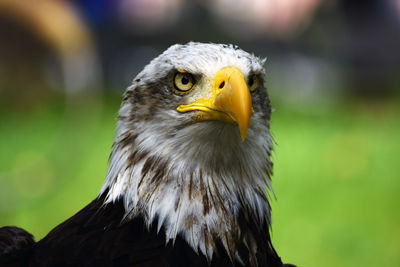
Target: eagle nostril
{"x":222,"y":85}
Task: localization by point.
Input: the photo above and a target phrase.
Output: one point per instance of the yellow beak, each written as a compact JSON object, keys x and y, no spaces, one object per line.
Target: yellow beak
{"x":231,"y":101}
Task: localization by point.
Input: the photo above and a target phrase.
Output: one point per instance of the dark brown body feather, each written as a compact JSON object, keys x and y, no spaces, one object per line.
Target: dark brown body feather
{"x":96,"y":237}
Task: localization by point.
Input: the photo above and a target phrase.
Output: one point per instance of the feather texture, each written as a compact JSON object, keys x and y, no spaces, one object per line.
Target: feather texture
{"x":193,"y":178}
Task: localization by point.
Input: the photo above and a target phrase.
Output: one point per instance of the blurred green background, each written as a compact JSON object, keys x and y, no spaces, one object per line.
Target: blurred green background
{"x":333,"y":76}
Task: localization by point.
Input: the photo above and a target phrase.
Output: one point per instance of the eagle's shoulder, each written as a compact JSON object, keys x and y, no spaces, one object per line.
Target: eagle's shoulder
{"x":98,"y":236}
{"x":15,"y":246}
{"x":95,"y":236}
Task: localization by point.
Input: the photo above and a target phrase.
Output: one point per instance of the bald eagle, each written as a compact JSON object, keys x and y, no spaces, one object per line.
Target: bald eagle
{"x":189,"y":173}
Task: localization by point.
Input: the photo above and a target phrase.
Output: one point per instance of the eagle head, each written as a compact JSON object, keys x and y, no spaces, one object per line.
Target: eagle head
{"x":192,"y":147}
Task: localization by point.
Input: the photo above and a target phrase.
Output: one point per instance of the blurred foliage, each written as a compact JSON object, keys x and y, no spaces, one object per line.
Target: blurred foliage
{"x":336,"y":174}
{"x":336,"y":179}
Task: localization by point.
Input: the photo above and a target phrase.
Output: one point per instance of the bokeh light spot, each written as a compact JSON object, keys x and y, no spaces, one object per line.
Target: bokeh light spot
{"x":32,"y":174}
{"x":346,"y":156}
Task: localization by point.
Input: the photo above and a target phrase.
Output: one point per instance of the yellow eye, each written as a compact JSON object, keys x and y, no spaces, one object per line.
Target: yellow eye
{"x":252,"y":83}
{"x":183,"y":82}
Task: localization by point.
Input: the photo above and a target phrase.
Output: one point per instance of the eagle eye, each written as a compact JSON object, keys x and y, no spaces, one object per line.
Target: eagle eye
{"x":183,"y":82}
{"x":252,"y":82}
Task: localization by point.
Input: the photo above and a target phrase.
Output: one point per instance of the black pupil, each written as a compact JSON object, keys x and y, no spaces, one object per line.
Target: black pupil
{"x":251,"y":81}
{"x":185,"y":80}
